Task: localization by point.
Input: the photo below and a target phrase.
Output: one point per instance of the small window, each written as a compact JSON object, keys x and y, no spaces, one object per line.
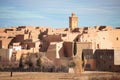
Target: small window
{"x":109,"y":66}
{"x":100,"y":56}
{"x":64,"y":35}
{"x":87,"y":57}
{"x":0,"y":58}
{"x":88,"y":66}
{"x":104,"y":62}
{"x":104,"y":38}
{"x":117,"y":38}
{"x":98,"y":46}
{"x":110,"y":57}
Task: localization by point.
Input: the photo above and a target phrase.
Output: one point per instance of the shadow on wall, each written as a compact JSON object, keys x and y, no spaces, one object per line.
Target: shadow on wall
{"x":105,"y":60}
{"x":43,"y":48}
{"x":40,"y":36}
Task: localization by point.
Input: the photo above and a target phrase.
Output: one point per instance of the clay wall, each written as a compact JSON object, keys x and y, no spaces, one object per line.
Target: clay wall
{"x":104,"y":59}
{"x":4,"y":43}
{"x":68,"y":49}
{"x":51,"y":52}
{"x":4,"y":55}
{"x":82,"y":45}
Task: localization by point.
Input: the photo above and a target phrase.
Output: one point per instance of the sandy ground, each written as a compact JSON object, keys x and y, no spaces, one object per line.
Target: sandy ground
{"x":58,"y":76}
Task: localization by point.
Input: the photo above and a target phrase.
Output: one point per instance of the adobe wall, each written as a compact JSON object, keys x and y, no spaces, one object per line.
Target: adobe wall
{"x":92,"y":63}
{"x":81,"y":46}
{"x":2,"y":30}
{"x":115,"y":38}
{"x":19,"y":38}
{"x":4,"y":43}
{"x":59,"y":50}
{"x":68,"y":49}
{"x":117,"y":57}
{"x":0,"y":44}
{"x":104,"y":39}
{"x":104,"y":59}
{"x":18,"y":55}
{"x":55,"y":50}
{"x":53,"y":38}
{"x":51,"y":52}
{"x":88,"y":59}
{"x":13,"y":33}
{"x":34,"y":35}
{"x":70,"y":37}
{"x":3,"y":35}
{"x":4,"y":53}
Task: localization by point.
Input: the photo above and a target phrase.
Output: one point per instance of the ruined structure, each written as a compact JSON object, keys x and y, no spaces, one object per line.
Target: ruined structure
{"x":84,"y":45}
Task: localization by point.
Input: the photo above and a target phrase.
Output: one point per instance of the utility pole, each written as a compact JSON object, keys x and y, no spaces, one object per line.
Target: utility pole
{"x":11,"y":73}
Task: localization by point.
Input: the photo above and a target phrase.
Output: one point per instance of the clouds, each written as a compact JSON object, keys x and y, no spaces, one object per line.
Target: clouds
{"x":12,"y":12}
{"x":64,"y":6}
{"x":56,"y":12}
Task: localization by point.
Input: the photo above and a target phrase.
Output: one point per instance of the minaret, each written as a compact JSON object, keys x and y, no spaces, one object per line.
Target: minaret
{"x":73,"y":21}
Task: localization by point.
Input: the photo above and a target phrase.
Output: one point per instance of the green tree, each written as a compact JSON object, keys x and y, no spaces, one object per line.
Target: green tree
{"x":71,"y":64}
{"x":38,"y":63}
{"x":30,"y":63}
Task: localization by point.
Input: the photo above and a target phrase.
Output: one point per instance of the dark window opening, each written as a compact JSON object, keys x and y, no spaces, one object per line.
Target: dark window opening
{"x":109,"y":66}
{"x":104,"y":38}
{"x":110,"y":57}
{"x":0,"y":58}
{"x":104,"y":62}
{"x":98,"y":46}
{"x":64,"y":35}
{"x":88,"y":66}
{"x":28,"y":47}
{"x":101,"y":57}
{"x":87,"y":56}
{"x":117,"y":38}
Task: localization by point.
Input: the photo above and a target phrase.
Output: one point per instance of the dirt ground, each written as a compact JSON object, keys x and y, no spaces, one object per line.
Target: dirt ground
{"x":59,"y":76}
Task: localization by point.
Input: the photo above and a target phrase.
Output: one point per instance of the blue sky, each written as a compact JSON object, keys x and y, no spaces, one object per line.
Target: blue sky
{"x":55,"y":13}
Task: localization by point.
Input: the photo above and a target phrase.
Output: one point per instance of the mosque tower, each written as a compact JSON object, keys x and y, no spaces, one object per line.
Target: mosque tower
{"x":73,"y":21}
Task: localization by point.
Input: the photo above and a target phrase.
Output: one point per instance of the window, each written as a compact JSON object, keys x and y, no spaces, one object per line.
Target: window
{"x":110,"y":57}
{"x":104,"y":62}
{"x":104,"y":38}
{"x":88,"y":66}
{"x":109,"y":66}
{"x":100,"y":56}
{"x":87,"y":56}
{"x":64,"y":35}
{"x":0,"y":58}
{"x":117,"y":38}
{"x":98,"y":46}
